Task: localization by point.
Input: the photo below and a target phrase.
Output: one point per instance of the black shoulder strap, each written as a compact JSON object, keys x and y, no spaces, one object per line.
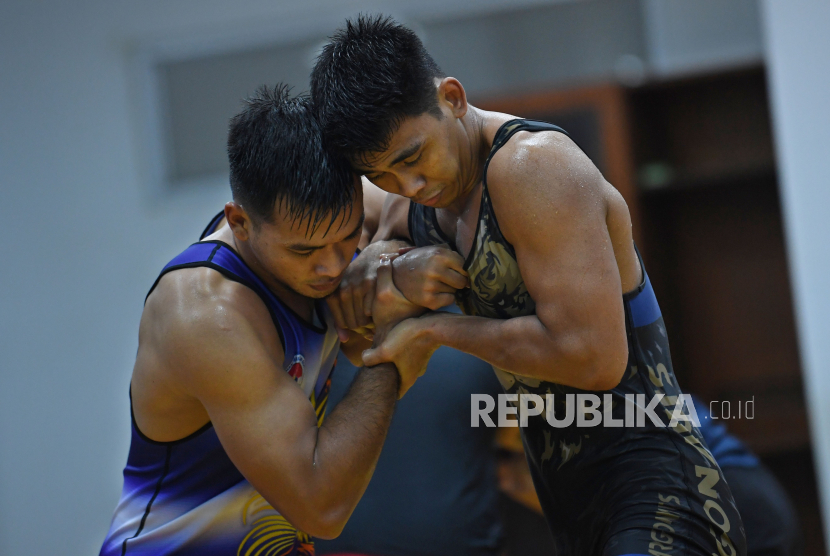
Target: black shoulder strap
{"x":510,"y":128}
{"x":422,"y":221}
{"x":503,"y":135}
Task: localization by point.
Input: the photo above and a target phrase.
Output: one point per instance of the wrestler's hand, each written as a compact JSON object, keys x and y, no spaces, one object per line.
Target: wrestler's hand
{"x":351,"y":304}
{"x":407,"y":347}
{"x":390,"y":306}
{"x":429,"y":276}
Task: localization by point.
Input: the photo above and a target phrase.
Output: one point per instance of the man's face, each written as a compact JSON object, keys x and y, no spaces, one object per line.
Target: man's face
{"x":422,"y":161}
{"x":311,"y":265}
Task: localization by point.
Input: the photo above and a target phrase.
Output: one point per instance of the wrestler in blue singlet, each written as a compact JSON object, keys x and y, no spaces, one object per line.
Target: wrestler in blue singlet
{"x":186,"y":497}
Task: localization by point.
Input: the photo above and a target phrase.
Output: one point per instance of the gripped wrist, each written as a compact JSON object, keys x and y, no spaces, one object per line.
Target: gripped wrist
{"x":430,"y":327}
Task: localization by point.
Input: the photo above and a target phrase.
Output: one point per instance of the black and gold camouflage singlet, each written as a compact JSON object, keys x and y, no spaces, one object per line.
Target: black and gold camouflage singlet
{"x":609,"y":490}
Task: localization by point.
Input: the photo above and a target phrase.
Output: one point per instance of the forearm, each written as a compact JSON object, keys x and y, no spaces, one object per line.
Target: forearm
{"x":350,"y":440}
{"x":525,"y":347}
{"x":377,"y":248}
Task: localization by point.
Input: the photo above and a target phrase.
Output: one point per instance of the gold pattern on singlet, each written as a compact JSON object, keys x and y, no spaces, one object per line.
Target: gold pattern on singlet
{"x":271,"y":534}
{"x":497,"y":289}
{"x":320,"y":404}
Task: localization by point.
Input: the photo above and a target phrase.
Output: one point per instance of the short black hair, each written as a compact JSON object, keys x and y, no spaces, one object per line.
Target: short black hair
{"x":277,"y":155}
{"x":373,"y":73}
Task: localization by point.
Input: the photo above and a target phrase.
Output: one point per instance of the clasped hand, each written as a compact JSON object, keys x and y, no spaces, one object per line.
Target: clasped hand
{"x":427,"y":277}
{"x":380,"y":294}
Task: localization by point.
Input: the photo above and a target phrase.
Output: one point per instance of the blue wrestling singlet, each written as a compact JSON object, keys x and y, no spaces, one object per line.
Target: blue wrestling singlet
{"x":186,"y":497}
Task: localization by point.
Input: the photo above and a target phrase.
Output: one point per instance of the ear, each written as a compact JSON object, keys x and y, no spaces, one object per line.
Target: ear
{"x":238,"y":220}
{"x":452,"y":94}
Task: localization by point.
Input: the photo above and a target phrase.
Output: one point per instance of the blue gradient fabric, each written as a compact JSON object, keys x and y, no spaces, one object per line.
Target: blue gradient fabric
{"x":186,"y":497}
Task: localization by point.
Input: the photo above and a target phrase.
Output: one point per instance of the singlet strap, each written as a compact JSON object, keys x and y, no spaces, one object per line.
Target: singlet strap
{"x":212,"y":225}
{"x":486,"y":212}
{"x":510,"y":128}
{"x":422,"y":220}
{"x":222,"y":258}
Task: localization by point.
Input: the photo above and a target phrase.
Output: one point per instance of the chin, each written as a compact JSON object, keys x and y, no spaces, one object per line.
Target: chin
{"x":317,"y":294}
{"x":445,"y":202}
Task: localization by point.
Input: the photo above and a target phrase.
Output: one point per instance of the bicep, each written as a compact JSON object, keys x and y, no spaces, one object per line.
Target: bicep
{"x":269,"y":431}
{"x":264,"y":421}
{"x":555,"y":217}
{"x":374,"y":199}
{"x":573,"y":279}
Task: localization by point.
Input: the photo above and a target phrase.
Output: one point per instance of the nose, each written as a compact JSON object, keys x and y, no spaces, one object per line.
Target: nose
{"x":412,"y":185}
{"x":332,"y":262}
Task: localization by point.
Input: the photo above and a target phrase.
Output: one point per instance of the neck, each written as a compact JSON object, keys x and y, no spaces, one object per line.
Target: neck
{"x":474,"y":151}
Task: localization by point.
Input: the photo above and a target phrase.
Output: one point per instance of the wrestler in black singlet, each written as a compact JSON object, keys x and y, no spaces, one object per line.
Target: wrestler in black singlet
{"x":608,"y":491}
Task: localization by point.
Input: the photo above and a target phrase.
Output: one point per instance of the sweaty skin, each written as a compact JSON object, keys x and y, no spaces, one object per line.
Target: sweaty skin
{"x":570,"y":229}
{"x":209,"y":351}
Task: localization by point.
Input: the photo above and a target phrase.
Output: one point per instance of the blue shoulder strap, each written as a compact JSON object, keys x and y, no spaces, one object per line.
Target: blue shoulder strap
{"x":211,"y":227}
{"x":221,"y":257}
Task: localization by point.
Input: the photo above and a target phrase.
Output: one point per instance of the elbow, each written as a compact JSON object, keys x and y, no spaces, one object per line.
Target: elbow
{"x":598,"y":365}
{"x":326,"y":520}
{"x":607,"y":379}
{"x":608,"y":367}
{"x":326,"y":529}
{"x":320,"y":518}
{"x":324,"y":525}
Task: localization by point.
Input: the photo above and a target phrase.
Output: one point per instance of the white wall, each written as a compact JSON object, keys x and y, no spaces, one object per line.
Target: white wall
{"x":684,"y":37}
{"x":797,"y":45}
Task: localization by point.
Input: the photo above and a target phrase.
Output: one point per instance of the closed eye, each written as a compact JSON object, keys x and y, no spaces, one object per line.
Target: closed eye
{"x":356,"y":231}
{"x":413,"y":161}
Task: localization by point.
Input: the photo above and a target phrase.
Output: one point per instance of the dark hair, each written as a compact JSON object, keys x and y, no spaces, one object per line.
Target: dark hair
{"x":372,"y":74}
{"x":276,"y":155}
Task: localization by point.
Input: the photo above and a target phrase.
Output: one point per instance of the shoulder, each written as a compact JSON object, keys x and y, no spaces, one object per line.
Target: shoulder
{"x":544,"y":171}
{"x":373,"y":199}
{"x":546,"y":158}
{"x":191,"y":294}
{"x":196,"y":318}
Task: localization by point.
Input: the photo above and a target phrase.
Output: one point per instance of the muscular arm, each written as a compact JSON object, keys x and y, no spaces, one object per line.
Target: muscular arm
{"x":555,"y":208}
{"x":394,"y":219}
{"x":374,"y":199}
{"x":222,"y":349}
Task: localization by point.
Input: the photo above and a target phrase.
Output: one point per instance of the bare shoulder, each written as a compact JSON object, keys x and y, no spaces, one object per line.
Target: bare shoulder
{"x":547,"y":192}
{"x":196,"y":320}
{"x":546,"y":170}
{"x":544,"y":165}
{"x":373,"y":200}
